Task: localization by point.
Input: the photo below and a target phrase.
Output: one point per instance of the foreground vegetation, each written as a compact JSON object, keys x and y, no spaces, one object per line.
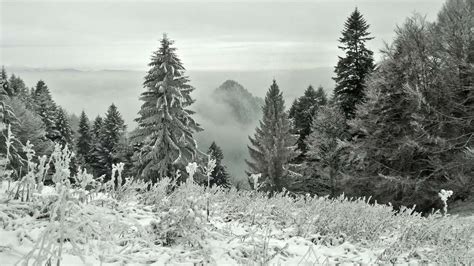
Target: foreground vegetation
{"x":124,"y":221}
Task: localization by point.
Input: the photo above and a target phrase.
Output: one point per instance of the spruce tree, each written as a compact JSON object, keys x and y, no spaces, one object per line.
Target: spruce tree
{"x":353,"y":69}
{"x":17,"y":85}
{"x":113,"y":128}
{"x":84,"y":140}
{"x":302,"y":112}
{"x":96,"y":147}
{"x":19,"y":90}
{"x":63,"y":128}
{"x":326,"y":148}
{"x":110,"y":133}
{"x":272,"y":147}
{"x":321,"y":96}
{"x":46,"y":108}
{"x":220,"y":177}
{"x":96,"y":127}
{"x":165,"y":124}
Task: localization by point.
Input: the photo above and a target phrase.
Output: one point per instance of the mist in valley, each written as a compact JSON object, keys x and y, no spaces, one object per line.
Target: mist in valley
{"x":94,"y":91}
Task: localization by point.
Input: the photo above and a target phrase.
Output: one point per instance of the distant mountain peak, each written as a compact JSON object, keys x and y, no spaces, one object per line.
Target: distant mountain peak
{"x":230,"y":84}
{"x":245,"y":107}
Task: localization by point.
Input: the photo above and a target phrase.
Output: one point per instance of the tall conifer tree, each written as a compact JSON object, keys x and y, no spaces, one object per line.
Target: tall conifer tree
{"x":111,"y":131}
{"x":352,"y":69}
{"x":63,"y":128}
{"x":46,"y":108}
{"x":95,"y":150}
{"x":165,"y":124}
{"x":326,"y":148}
{"x":272,"y":146}
{"x":96,"y":127}
{"x":302,"y":112}
{"x":84,"y":141}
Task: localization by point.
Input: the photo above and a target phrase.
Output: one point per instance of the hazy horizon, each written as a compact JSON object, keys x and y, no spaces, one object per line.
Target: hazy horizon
{"x":215,"y":35}
{"x":94,"y":91}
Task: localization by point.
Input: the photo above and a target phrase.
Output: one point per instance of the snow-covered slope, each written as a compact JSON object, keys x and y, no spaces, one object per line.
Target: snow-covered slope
{"x":135,"y":226}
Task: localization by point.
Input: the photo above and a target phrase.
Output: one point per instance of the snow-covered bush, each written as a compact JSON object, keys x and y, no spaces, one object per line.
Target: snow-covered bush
{"x":180,"y":216}
{"x":75,"y":223}
{"x":444,"y":196}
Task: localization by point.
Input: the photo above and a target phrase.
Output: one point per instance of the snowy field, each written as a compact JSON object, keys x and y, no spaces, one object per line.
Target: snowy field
{"x":87,"y":222}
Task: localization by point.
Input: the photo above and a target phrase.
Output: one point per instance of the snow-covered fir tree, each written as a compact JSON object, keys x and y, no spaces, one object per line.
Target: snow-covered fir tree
{"x":219,"y":175}
{"x":46,"y":108}
{"x":326,"y":146}
{"x":84,"y":140}
{"x":165,"y":124}
{"x":302,"y":112}
{"x":353,"y":68}
{"x":17,"y":85}
{"x":63,"y":127}
{"x":96,"y":127}
{"x":272,"y":147}
{"x":112,"y":129}
{"x":21,"y":91}
{"x":95,"y":149}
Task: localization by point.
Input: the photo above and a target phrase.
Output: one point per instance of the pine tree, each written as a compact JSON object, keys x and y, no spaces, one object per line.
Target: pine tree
{"x":46,"y":108}
{"x":220,"y":177}
{"x":18,"y":89}
{"x":321,"y":96}
{"x":113,"y":128}
{"x":111,"y":131}
{"x":326,"y":146}
{"x":17,"y":86}
{"x":63,"y":128}
{"x":353,"y":69}
{"x":96,"y":147}
{"x":302,"y":112}
{"x":272,"y":146}
{"x":96,"y":127}
{"x":84,"y":140}
{"x":165,"y":125}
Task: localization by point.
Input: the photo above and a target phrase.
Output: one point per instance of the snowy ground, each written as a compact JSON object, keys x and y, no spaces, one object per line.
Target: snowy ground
{"x":244,"y":228}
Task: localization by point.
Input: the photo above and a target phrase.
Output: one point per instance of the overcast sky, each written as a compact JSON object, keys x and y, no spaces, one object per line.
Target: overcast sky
{"x":216,"y":35}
